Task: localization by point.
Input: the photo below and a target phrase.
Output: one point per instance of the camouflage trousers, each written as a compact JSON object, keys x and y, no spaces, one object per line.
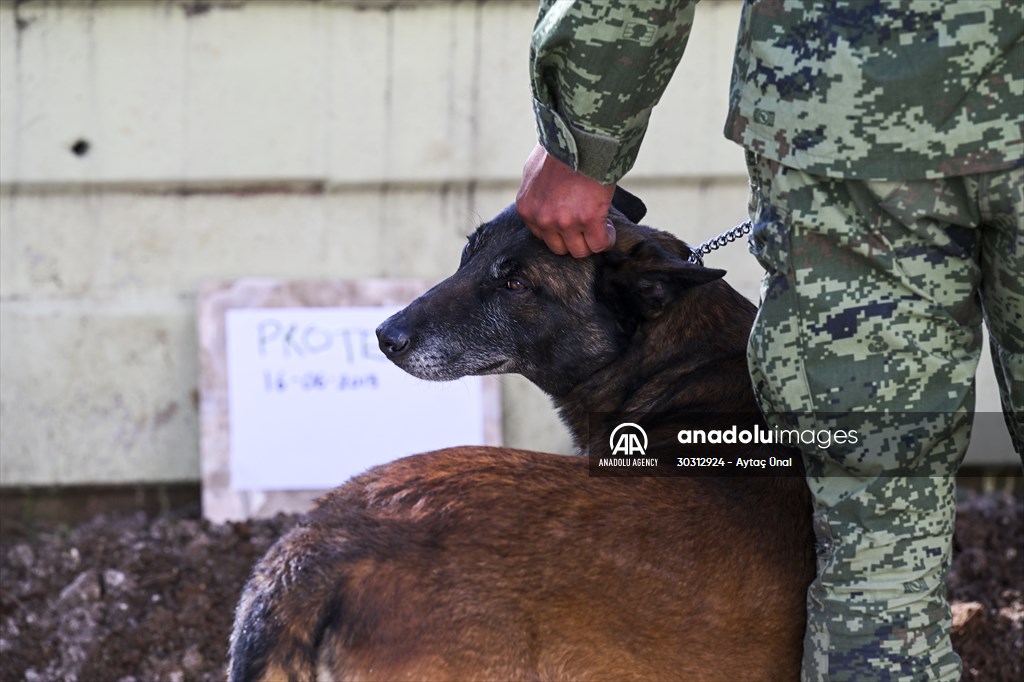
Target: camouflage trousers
{"x":872,"y":303}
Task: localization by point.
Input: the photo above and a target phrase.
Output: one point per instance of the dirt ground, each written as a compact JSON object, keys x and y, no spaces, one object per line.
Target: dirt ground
{"x":127,"y":597}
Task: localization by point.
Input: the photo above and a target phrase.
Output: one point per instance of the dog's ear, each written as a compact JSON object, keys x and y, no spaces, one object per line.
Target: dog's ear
{"x":647,"y":275}
{"x":628,"y":205}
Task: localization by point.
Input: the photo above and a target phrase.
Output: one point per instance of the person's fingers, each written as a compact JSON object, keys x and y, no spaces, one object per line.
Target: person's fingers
{"x":576,"y":244}
{"x":566,"y":239}
{"x":556,"y":243}
{"x":600,"y":239}
{"x":565,"y":209}
{"x":551,"y":237}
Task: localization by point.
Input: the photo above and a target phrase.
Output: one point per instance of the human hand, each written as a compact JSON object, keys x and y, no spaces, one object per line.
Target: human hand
{"x":568,"y":210}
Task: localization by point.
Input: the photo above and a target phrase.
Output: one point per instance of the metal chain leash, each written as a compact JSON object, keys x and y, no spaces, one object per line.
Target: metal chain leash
{"x":715,"y":243}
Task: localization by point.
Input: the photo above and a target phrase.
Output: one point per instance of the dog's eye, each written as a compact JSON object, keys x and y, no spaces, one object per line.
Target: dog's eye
{"x":516,"y":284}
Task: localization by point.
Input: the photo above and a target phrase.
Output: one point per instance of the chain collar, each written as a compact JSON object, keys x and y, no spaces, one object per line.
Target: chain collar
{"x":697,"y":254}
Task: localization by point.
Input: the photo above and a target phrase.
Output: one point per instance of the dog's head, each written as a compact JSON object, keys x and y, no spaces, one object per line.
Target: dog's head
{"x":515,"y":307}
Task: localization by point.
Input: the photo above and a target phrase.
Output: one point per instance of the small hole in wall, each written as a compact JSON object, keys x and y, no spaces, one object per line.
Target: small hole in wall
{"x":80,"y":147}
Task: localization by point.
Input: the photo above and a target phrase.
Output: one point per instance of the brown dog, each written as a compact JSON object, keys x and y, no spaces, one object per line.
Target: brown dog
{"x":489,"y":563}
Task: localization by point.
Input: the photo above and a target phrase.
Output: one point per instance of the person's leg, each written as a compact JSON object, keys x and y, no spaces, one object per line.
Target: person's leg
{"x":1002,"y":288}
{"x":870,"y":323}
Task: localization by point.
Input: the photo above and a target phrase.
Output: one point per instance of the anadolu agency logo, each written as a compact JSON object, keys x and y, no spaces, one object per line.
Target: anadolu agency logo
{"x":628,"y":449}
{"x":628,"y":439}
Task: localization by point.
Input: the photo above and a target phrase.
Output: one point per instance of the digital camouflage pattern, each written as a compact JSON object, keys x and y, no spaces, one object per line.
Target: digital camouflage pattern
{"x":597,"y":70}
{"x":885,"y":142}
{"x":872,"y":303}
{"x":879,"y":89}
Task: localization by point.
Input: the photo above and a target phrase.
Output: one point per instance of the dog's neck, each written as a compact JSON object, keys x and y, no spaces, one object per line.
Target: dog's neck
{"x":688,"y":362}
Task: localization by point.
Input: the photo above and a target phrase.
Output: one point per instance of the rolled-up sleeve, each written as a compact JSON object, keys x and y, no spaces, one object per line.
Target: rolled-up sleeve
{"x":598,"y":68}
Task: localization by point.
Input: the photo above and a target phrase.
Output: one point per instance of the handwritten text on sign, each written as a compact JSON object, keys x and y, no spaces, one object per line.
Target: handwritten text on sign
{"x":313,"y":401}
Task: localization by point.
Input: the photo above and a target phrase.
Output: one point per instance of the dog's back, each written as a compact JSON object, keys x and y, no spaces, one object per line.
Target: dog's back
{"x":486,"y":563}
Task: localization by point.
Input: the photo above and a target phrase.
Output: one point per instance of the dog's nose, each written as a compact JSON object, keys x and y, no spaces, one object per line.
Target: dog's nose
{"x":392,"y":339}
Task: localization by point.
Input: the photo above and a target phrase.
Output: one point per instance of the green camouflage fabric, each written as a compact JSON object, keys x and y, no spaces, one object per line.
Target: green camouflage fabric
{"x":885,"y":142}
{"x":597,"y":70}
{"x":867,"y":89}
{"x":872,"y":303}
{"x":881,"y":89}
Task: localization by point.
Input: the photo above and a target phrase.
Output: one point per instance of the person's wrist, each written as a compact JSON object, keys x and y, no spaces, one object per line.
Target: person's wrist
{"x":593,"y":154}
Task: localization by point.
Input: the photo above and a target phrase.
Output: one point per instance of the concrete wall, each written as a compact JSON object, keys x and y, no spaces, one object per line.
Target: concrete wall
{"x":146,"y":146}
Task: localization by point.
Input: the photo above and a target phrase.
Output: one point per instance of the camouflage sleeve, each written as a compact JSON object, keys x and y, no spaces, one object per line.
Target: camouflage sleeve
{"x":597,"y":69}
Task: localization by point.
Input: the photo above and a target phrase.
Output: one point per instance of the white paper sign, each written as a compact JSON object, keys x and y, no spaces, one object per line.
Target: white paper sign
{"x":312,"y":400}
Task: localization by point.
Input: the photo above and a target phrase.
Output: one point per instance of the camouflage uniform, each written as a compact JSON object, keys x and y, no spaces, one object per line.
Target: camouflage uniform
{"x":885,"y":144}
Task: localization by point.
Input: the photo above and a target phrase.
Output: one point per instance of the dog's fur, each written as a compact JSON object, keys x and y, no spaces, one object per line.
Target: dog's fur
{"x":489,"y":563}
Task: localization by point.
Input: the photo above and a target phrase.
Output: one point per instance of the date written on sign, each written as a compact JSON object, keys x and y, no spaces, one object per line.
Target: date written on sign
{"x":280,"y":381}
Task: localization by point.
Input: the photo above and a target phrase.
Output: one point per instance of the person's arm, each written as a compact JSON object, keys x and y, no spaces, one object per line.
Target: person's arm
{"x":598,"y":68}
